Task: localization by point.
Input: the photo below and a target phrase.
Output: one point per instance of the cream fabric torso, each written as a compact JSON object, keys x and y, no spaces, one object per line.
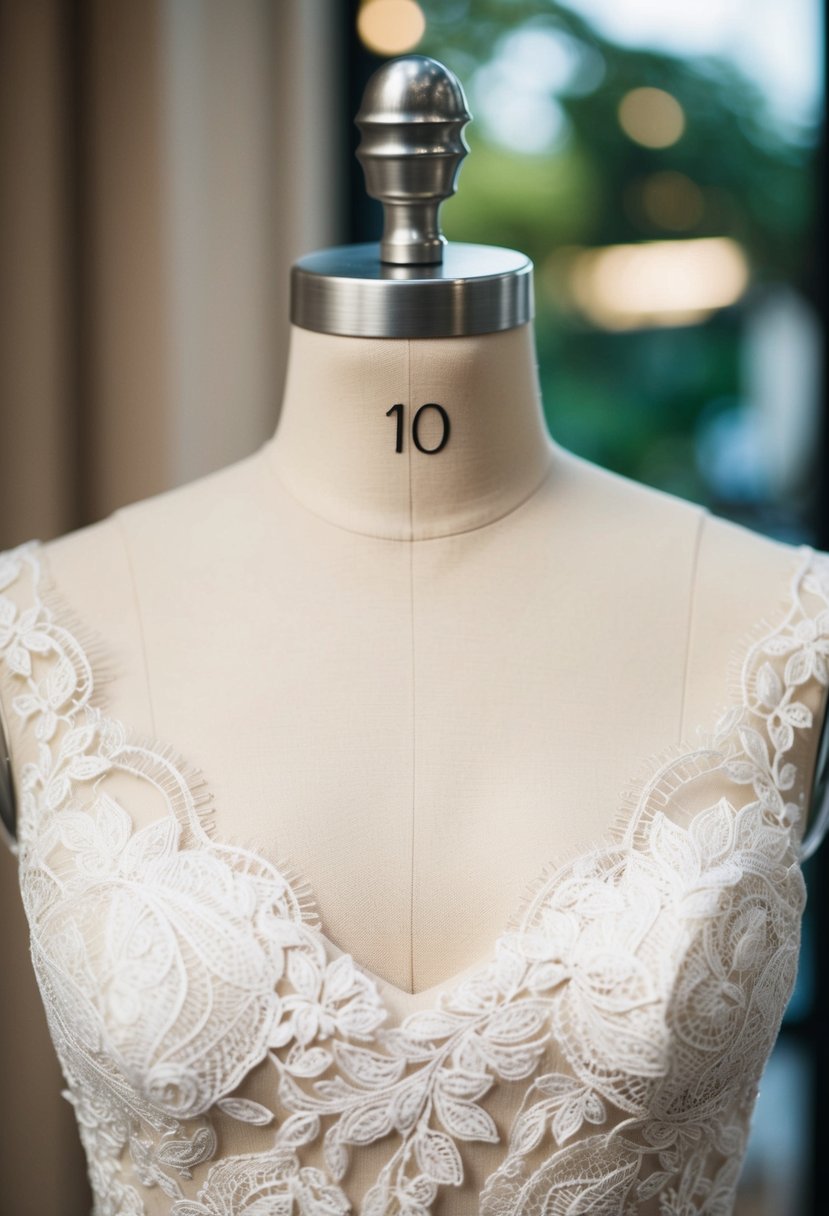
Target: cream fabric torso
{"x":384,"y":694}
{"x":414,"y":682}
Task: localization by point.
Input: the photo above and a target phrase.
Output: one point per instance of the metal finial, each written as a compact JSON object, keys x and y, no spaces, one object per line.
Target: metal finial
{"x":414,"y":284}
{"x":411,"y":121}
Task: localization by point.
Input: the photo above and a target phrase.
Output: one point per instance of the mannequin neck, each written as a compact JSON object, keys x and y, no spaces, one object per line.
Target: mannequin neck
{"x":350,"y":402}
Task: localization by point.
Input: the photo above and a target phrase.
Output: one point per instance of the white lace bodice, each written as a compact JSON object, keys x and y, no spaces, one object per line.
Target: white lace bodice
{"x":628,"y":1009}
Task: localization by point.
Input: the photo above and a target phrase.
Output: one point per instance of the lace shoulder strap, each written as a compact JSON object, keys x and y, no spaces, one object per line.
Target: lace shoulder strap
{"x":54,"y":667}
{"x":16,"y":661}
{"x":784,"y":680}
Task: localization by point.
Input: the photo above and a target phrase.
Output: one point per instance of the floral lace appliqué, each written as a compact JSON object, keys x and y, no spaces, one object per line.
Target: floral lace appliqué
{"x":634,"y":999}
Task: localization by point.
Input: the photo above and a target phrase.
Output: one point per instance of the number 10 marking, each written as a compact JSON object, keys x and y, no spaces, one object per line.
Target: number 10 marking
{"x":430,"y":405}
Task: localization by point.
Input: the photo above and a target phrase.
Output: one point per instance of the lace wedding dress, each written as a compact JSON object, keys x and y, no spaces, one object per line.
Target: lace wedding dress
{"x":628,"y":1008}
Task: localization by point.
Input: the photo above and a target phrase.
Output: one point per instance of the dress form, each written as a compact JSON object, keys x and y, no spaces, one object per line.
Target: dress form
{"x":437,"y":681}
{"x":417,"y":678}
{"x":403,"y":639}
{"x":416,"y":725}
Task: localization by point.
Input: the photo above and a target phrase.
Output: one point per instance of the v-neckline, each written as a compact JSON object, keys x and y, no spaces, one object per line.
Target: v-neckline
{"x":405,"y":1002}
{"x":395,"y":1000}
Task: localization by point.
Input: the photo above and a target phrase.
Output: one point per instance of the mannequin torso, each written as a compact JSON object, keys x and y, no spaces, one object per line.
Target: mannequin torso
{"x":417,"y":677}
{"x":413,"y":681}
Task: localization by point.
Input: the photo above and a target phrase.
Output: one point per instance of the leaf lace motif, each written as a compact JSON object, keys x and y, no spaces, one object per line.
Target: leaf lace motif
{"x":657,"y":964}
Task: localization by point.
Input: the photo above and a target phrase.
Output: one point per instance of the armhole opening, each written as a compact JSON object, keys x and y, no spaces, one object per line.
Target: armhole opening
{"x":8,"y":794}
{"x":818,"y":819}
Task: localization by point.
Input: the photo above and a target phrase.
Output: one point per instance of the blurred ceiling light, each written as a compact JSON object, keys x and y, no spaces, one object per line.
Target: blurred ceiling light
{"x":390,"y":27}
{"x":671,"y":200}
{"x":651,"y":117}
{"x":658,"y":283}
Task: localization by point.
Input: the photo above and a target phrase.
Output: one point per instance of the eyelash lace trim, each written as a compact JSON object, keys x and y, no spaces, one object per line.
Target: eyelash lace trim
{"x":651,"y":972}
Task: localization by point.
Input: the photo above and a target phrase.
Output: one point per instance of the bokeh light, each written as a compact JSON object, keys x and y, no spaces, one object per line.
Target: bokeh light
{"x":658,"y":282}
{"x":672,"y":200}
{"x":390,"y":27}
{"x":651,"y":117}
{"x":515,"y":95}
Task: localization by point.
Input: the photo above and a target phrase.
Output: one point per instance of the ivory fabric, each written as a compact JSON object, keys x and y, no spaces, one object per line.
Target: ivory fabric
{"x":223,"y":1056}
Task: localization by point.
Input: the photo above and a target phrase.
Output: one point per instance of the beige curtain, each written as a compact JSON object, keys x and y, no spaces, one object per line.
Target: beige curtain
{"x":161,"y":164}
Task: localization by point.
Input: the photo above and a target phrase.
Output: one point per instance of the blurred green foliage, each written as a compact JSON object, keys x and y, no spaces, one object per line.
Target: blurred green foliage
{"x":631,"y":401}
{"x":758,"y":178}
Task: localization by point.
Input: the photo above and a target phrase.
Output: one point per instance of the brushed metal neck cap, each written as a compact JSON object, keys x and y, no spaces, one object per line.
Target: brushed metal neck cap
{"x":413,"y":283}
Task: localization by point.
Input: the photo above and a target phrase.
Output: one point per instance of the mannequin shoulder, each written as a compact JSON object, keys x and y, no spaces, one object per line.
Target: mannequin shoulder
{"x":737,"y":571}
{"x":192,"y":521}
{"x":86,"y":566}
{"x":155,"y":536}
{"x":741,"y":588}
{"x":103,"y":572}
{"x":741,"y":575}
{"x":89,"y":568}
{"x":613,"y":499}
